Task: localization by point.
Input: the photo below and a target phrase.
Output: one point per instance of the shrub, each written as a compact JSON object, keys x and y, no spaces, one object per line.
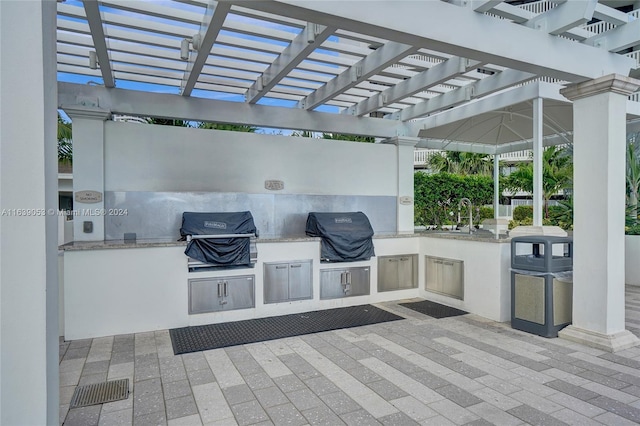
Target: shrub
{"x":522,"y":213}
{"x":437,"y":196}
{"x":632,"y":229}
{"x":486,"y":213}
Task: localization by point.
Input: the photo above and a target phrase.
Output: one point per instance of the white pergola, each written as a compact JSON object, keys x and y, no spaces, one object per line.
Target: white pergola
{"x":388,"y":69}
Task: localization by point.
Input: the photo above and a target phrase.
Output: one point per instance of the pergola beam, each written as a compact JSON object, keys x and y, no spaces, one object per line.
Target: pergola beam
{"x":420,"y":82}
{"x":302,"y":45}
{"x":482,"y":6}
{"x":485,"y":38}
{"x":162,"y":105}
{"x":92,"y":11}
{"x":611,"y":15}
{"x":513,"y":13}
{"x":563,"y":17}
{"x":464,"y":94}
{"x":618,"y":38}
{"x":211,"y":26}
{"x":370,"y":65}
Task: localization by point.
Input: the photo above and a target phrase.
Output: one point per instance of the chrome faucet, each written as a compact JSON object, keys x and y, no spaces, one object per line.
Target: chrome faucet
{"x":466,"y":202}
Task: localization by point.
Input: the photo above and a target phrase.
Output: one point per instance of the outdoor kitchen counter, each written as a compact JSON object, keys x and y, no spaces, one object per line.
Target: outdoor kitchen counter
{"x":109,"y":289}
{"x":449,"y":235}
{"x":144,"y":243}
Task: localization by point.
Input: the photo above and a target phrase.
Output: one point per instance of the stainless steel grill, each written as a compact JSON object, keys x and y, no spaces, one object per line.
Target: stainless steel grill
{"x":219,"y":240}
{"x":196,"y":265}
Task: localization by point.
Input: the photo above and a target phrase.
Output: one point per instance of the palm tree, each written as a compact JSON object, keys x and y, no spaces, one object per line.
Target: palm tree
{"x":462,"y":163}
{"x":168,"y":122}
{"x":65,"y":147}
{"x":303,"y":134}
{"x":225,"y":126}
{"x":344,"y":137}
{"x":557,"y":175}
{"x":633,"y":175}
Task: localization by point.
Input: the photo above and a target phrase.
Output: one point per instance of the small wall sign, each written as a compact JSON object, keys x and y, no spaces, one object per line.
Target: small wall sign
{"x":406,"y":200}
{"x":88,"y":197}
{"x":274,"y":185}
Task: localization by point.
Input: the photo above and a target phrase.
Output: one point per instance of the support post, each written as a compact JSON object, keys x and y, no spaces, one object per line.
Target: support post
{"x":29,"y":360}
{"x":404,"y":149}
{"x":599,"y":122}
{"x":496,"y":185}
{"x":538,"y":201}
{"x":88,"y":171}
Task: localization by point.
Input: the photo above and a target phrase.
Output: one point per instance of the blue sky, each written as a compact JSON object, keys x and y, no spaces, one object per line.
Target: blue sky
{"x":123,"y":84}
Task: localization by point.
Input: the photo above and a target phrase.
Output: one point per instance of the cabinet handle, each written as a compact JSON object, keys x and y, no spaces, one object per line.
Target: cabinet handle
{"x":404,"y":259}
{"x":348,"y":277}
{"x":343,"y":278}
{"x":226,"y":288}
{"x":393,"y":260}
{"x":297,"y":265}
{"x":281,"y":267}
{"x":220,"y":294}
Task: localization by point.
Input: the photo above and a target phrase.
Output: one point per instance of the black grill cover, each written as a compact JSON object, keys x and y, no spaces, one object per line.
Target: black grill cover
{"x":346,"y":237}
{"x":218,"y":251}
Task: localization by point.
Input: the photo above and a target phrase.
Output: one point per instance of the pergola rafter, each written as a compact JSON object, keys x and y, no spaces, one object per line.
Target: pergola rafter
{"x":214,"y":18}
{"x":382,"y":58}
{"x":302,"y":45}
{"x":99,"y":41}
{"x":334,"y":55}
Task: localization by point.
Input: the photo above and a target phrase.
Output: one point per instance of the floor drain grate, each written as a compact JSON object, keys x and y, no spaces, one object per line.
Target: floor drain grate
{"x":100,"y":393}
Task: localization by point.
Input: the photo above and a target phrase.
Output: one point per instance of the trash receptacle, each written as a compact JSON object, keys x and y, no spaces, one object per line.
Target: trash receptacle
{"x":541,"y":284}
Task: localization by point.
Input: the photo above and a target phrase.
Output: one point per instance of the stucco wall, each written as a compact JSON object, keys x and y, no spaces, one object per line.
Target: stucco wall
{"x":142,"y":157}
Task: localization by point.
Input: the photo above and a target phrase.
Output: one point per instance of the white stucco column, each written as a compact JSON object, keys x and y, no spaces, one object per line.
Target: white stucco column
{"x":29,"y":384}
{"x":496,"y":186}
{"x":405,"y":146}
{"x":538,"y":201}
{"x":599,"y":122}
{"x":88,"y":171}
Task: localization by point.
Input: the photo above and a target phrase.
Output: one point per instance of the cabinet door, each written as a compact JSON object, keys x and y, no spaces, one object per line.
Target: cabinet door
{"x":332,"y":283}
{"x":407,"y":272}
{"x":388,"y":273}
{"x":239,"y":292}
{"x":300,"y":280}
{"x":359,"y":283}
{"x":276,"y":282}
{"x":206,"y":295}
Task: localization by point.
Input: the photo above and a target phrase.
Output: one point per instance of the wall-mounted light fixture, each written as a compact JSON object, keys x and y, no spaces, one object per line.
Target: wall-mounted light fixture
{"x":195,"y":41}
{"x":93,"y":60}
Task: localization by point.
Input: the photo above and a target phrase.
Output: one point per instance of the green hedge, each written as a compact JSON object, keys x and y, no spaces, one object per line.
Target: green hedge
{"x":521,"y":213}
{"x":437,"y":197}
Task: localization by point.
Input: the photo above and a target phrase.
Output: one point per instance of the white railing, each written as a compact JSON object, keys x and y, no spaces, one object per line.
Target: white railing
{"x":129,"y":119}
{"x":421,"y":156}
{"x":538,"y":6}
{"x":524,"y":155}
{"x":635,"y":55}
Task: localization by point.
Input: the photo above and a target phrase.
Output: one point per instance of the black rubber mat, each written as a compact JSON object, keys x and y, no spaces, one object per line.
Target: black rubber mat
{"x":205,"y":337}
{"x":433,"y":309}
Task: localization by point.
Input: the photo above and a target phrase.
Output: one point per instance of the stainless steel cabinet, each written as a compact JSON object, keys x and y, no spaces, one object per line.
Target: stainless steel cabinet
{"x":445,"y":276}
{"x":223,"y":293}
{"x":286,"y":281}
{"x":397,"y":272}
{"x":344,"y":282}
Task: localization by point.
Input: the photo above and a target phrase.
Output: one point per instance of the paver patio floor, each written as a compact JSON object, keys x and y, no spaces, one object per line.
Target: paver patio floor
{"x":463,"y":370}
